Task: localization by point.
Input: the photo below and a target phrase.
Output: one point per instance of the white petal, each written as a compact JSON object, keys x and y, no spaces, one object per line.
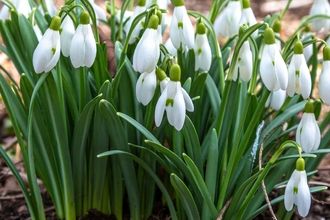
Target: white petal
{"x":289,"y":194}
{"x":187,"y":100}
{"x":90,"y":47}
{"x":303,"y":197}
{"x":245,"y":64}
{"x":56,"y":56}
{"x":77,"y":49}
{"x":324,"y":82}
{"x":278,"y":98}
{"x":99,"y":12}
{"x":281,"y":70}
{"x":267,"y":70}
{"x":160,"y":107}
{"x":174,"y":32}
{"x":67,"y":33}
{"x":145,"y":87}
{"x":176,"y":113}
{"x":308,"y":130}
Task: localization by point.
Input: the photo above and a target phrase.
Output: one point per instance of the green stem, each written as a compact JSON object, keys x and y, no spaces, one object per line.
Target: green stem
{"x":285,"y":9}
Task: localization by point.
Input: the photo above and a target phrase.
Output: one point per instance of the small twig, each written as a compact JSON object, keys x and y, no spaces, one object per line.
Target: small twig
{"x":223,"y":210}
{"x":20,"y":196}
{"x":10,"y":143}
{"x":321,"y":202}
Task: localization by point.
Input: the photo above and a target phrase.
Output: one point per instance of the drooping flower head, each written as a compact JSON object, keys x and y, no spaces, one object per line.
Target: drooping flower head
{"x":320,"y":7}
{"x":297,"y":190}
{"x":203,"y":55}
{"x":276,"y":99}
{"x":67,"y":33}
{"x":227,"y":23}
{"x":47,"y":53}
{"x":147,"y":51}
{"x":299,"y":76}
{"x":83,"y":46}
{"x":248,"y":17}
{"x":135,"y":33}
{"x":324,"y":81}
{"x":308,"y":134}
{"x":273,"y":71}
{"x":146,"y":86}
{"x":181,"y":29}
{"x":175,"y":100}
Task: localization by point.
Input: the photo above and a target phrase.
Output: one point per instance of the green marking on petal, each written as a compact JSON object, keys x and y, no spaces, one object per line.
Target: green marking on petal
{"x":169,"y":101}
{"x":53,"y":50}
{"x":295,"y":190}
{"x":180,"y":25}
{"x":199,"y":51}
{"x":273,"y":62}
{"x":297,"y":72}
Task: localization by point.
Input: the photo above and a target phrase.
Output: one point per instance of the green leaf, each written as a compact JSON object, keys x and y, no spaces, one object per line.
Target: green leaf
{"x":185,"y":197}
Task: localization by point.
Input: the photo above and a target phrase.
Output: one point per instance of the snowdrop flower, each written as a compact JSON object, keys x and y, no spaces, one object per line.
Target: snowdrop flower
{"x":181,"y":29}
{"x":248,"y":17}
{"x":308,"y":134}
{"x":203,"y":55}
{"x":147,"y":51}
{"x":297,"y":190}
{"x":299,"y":76}
{"x":277,"y":29}
{"x":276,"y":99}
{"x":175,"y":100}
{"x":162,"y":4}
{"x":244,"y":63}
{"x":145,"y":87}
{"x":136,"y":31}
{"x":67,"y":33}
{"x":227,"y":23}
{"x":83,"y":46}
{"x":47,"y":53}
{"x":324,"y":81}
{"x":99,"y":12}
{"x":320,"y":7}
{"x":22,"y":7}
{"x":273,"y":71}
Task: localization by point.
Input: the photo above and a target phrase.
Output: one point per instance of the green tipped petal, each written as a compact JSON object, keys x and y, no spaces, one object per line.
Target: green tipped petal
{"x":153,"y":22}
{"x":201,"y":29}
{"x":298,"y":48}
{"x":309,"y":107}
{"x":55,"y":23}
{"x":84,"y":18}
{"x":300,"y":164}
{"x":175,"y":73}
{"x":326,"y":53}
{"x":269,"y":36}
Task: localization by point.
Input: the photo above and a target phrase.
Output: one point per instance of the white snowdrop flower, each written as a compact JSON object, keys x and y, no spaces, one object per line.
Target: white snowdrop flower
{"x":145,"y":87}
{"x":181,"y":28}
{"x":47,"y":53}
{"x":297,"y":190}
{"x":136,"y":31}
{"x":83,"y":46}
{"x":273,"y":70}
{"x":320,"y":7}
{"x":147,"y":51}
{"x":227,"y":23}
{"x":276,"y":99}
{"x":203,"y":54}
{"x":67,"y":33}
{"x":244,"y":63}
{"x":248,"y":17}
{"x":99,"y":12}
{"x":175,"y":100}
{"x":299,"y":75}
{"x":308,"y":134}
{"x":324,"y":81}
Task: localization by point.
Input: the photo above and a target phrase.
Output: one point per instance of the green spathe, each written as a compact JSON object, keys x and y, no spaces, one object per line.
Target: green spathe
{"x":55,"y":23}
{"x":300,"y":164}
{"x":326,"y":53}
{"x":161,"y":75}
{"x":269,"y":36}
{"x":153,"y":22}
{"x":298,"y":48}
{"x":84,"y":18}
{"x":175,"y":73}
{"x":277,"y":26}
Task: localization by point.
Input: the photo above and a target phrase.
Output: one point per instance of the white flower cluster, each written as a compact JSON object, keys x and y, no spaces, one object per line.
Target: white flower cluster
{"x":79,"y":44}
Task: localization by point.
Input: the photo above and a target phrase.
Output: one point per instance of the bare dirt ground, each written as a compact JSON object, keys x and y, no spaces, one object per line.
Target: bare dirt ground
{"x":12,"y":205}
